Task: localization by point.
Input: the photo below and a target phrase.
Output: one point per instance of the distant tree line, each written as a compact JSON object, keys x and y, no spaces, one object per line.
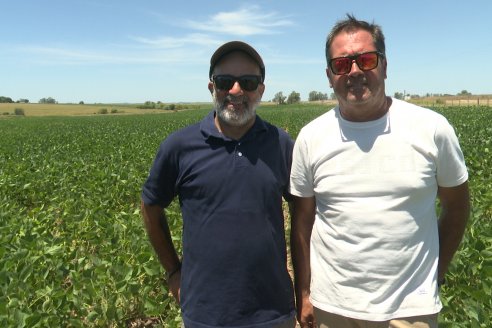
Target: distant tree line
{"x":161,"y":105}
{"x":6,"y":99}
{"x":316,"y":96}
{"x":48,"y":100}
{"x":280,"y":99}
{"x":295,"y":97}
{"x":400,"y":95}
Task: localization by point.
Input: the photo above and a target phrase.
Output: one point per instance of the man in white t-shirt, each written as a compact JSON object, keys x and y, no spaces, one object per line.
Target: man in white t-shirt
{"x":368,"y":248}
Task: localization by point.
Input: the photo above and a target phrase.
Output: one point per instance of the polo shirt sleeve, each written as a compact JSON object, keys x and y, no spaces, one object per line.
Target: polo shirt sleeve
{"x":289,"y":145}
{"x":160,"y":186}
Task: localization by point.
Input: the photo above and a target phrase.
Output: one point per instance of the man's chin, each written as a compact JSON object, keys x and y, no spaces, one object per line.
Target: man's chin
{"x":233,"y":119}
{"x":359,"y":96}
{"x":234,"y":107}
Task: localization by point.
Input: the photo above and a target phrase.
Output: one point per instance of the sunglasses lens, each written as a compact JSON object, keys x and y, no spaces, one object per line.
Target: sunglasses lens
{"x":341,"y":65}
{"x":249,"y":83}
{"x":226,"y":82}
{"x":367,"y":61}
{"x":223,"y":82}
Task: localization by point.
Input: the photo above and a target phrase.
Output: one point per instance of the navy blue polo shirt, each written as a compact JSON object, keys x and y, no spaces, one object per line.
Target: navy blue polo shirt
{"x":234,"y":269}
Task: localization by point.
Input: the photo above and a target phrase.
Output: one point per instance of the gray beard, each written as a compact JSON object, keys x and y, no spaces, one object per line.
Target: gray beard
{"x":233,"y":117}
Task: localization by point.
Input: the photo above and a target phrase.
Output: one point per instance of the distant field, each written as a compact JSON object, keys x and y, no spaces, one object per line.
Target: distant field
{"x":80,"y":110}
{"x":453,"y":101}
{"x":7,"y":110}
{"x":97,"y":109}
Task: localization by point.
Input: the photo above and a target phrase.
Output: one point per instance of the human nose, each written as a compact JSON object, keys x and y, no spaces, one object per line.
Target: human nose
{"x":355,"y":69}
{"x":236,"y":88}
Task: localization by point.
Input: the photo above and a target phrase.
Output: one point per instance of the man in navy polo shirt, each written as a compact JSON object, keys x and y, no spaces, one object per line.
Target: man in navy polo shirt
{"x":229,"y":172}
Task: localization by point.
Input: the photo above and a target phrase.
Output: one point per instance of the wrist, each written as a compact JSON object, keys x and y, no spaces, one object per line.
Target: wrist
{"x":441,"y":282}
{"x":172,"y":272}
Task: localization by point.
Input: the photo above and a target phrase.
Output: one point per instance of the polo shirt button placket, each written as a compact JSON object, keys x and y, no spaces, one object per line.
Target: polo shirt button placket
{"x":239,"y":153}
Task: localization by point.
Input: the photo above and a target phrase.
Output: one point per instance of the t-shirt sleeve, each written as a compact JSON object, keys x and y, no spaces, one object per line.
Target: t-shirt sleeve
{"x":301,"y":175}
{"x":451,"y":168}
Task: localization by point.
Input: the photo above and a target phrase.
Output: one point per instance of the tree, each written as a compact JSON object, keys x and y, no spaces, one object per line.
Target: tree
{"x":81,"y":102}
{"x":316,"y":95}
{"x":464,"y":93}
{"x":6,"y":99}
{"x":48,"y":100}
{"x":294,"y":98}
{"x":279,"y":98}
{"x":22,"y":100}
{"x":147,"y":105}
{"x":398,"y":95}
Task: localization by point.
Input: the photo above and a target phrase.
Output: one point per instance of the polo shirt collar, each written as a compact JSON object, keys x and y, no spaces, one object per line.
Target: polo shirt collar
{"x":209,"y":130}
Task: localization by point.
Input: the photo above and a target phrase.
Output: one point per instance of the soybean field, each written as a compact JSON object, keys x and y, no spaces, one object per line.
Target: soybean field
{"x":73,"y":249}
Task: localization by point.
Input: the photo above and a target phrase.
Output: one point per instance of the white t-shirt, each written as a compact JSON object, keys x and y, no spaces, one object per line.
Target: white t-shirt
{"x":374,"y":244}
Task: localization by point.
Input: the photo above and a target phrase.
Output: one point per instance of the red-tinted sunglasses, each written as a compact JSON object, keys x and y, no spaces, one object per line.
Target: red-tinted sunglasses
{"x":226,"y":82}
{"x":366,"y":61}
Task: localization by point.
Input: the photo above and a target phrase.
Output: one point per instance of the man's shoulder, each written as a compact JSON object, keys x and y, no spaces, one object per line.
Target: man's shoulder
{"x":276,"y":130}
{"x":408,"y":111}
{"x":321,"y":123}
{"x":183,"y":136}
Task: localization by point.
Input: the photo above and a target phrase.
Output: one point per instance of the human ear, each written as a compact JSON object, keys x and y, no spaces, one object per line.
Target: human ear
{"x":328,"y":75}
{"x":261,"y":89}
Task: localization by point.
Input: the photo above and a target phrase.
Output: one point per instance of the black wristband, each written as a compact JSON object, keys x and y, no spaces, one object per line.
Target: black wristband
{"x":173,"y":272}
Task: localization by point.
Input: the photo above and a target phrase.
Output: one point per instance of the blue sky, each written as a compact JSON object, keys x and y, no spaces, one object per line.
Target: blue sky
{"x":114,"y":51}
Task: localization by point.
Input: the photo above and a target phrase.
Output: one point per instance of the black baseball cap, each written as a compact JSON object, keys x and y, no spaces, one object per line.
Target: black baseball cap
{"x":231,"y":46}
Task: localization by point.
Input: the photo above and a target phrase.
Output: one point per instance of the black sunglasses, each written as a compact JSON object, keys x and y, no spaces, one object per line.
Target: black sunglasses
{"x":226,"y":82}
{"x":366,"y":61}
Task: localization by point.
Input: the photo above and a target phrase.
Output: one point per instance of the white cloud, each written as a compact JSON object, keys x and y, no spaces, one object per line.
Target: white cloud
{"x":243,"y":22}
{"x":177,"y":42}
{"x":191,"y":47}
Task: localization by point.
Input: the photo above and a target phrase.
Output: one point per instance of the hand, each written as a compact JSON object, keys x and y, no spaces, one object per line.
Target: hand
{"x":305,"y":313}
{"x":174,"y":284}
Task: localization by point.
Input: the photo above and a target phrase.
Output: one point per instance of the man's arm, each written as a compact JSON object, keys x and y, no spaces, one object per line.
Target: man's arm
{"x":302,"y":220}
{"x":160,"y":239}
{"x":455,"y":210}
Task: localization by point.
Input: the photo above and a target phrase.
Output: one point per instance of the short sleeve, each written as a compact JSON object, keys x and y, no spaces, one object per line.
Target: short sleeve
{"x":451,"y":168}
{"x":159,"y":188}
{"x":301,"y":176}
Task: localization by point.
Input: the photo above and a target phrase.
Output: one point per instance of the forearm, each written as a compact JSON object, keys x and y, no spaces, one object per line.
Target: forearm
{"x":455,"y":209}
{"x":302,"y":220}
{"x":160,"y":237}
{"x":300,"y":249}
{"x":450,"y":236}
